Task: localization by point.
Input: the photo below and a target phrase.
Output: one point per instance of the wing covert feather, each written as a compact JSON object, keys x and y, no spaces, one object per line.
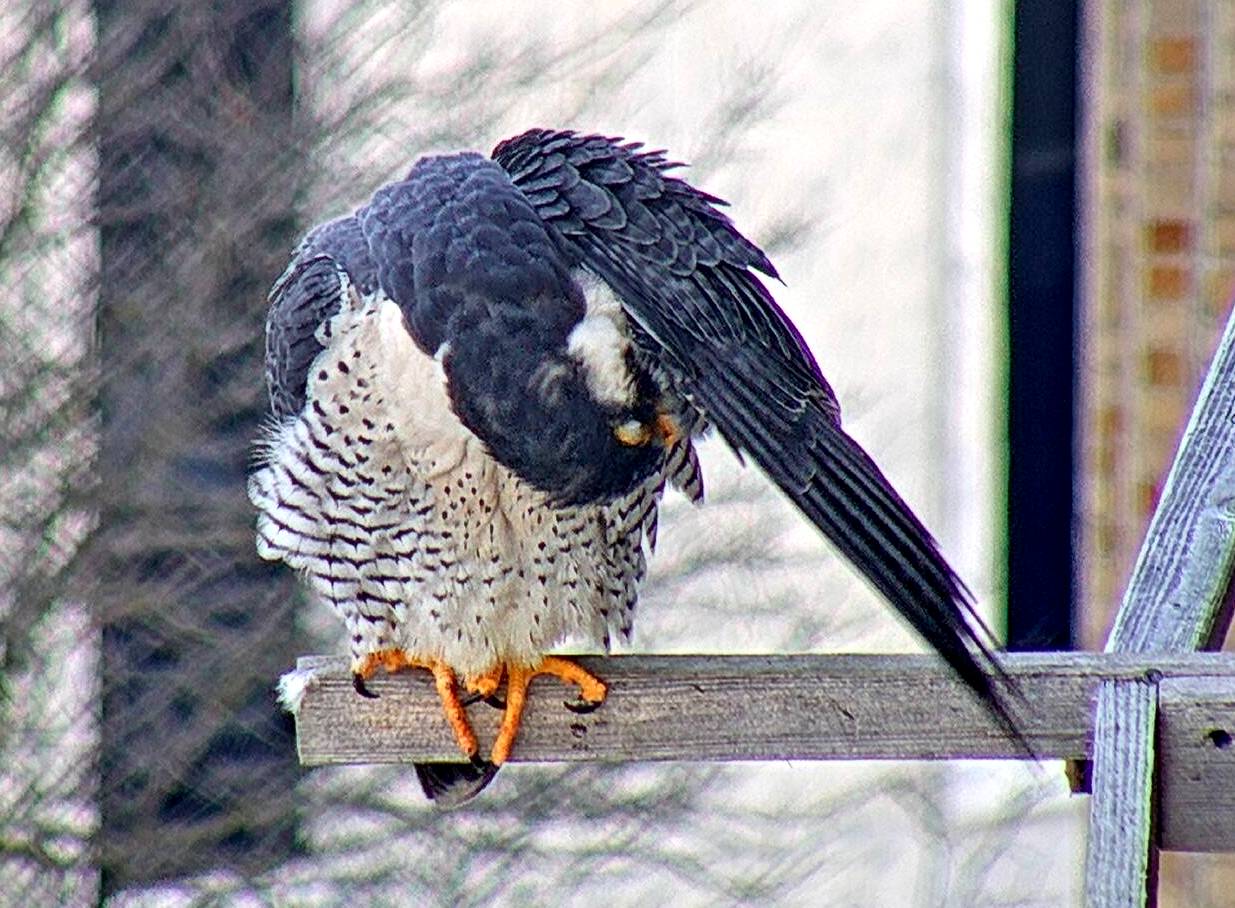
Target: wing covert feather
{"x":686,"y":277}
{"x":331,"y":260}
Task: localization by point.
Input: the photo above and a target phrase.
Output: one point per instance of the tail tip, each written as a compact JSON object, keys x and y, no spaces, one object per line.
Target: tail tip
{"x":450,"y":785}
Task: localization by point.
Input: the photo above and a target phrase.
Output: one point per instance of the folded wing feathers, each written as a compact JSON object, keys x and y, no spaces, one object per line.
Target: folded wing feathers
{"x":684,"y":274}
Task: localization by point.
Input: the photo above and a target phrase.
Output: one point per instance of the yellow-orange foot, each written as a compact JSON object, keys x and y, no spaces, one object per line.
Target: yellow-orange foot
{"x":484,"y":687}
{"x":591,"y":694}
{"x":444,"y":680}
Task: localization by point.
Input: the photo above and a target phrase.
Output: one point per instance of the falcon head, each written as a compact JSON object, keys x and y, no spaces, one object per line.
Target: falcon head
{"x":578,"y":418}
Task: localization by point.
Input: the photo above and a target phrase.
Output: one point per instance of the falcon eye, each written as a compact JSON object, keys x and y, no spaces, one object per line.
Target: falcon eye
{"x":633,"y":433}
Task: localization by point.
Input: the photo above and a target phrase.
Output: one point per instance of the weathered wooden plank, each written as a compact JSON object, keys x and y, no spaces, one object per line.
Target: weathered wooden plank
{"x":1175,"y":598}
{"x":837,"y":707}
{"x":1175,"y":601}
{"x":738,"y":708}
{"x":1120,"y":859}
{"x":1196,"y":778}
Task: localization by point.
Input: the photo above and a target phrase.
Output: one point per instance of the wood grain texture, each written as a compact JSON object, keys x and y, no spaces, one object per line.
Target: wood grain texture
{"x":739,"y":708}
{"x":1175,"y":602}
{"x":1120,"y":859}
{"x":843,"y":707}
{"x":1175,"y":598}
{"x":1197,"y":764}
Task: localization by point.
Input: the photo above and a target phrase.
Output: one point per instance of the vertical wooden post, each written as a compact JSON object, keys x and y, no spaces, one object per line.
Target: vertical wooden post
{"x":1121,"y":869}
{"x":1175,"y":602}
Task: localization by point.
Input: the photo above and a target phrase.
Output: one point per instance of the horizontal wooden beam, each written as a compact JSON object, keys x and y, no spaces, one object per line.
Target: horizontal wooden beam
{"x":806,"y":707}
{"x":1196,"y":764}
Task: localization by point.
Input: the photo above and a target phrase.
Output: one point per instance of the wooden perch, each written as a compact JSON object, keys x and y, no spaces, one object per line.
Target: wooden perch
{"x":1157,"y":721}
{"x":1178,"y":599}
{"x":809,"y":707}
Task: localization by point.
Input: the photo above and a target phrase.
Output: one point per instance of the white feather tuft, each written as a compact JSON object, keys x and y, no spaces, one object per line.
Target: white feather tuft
{"x":600,"y":343}
{"x":292,"y":687}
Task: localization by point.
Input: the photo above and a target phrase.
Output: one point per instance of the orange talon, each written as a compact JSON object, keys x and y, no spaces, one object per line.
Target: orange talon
{"x":517,"y":680}
{"x":448,"y":691}
{"x":444,"y":680}
{"x":591,"y":690}
{"x":392,"y":660}
{"x":485,"y":684}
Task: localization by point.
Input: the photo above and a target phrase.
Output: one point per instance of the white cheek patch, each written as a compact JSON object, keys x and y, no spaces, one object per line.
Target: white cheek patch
{"x":600,"y":343}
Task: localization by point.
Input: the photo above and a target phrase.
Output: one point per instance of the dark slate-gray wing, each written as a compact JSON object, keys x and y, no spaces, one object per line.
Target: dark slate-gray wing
{"x":685,"y":275}
{"x":307,"y":294}
{"x":482,"y":283}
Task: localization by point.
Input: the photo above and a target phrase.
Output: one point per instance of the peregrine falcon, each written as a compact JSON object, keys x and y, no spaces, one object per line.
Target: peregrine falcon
{"x":482,"y":382}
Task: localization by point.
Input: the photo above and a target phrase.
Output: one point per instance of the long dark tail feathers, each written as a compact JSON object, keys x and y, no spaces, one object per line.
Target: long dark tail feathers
{"x":841,"y":490}
{"x":450,"y":785}
{"x":912,"y":573}
{"x":999,"y":693}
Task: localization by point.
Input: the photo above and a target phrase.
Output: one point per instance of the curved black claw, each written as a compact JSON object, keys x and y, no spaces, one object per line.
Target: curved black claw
{"x":493,"y":700}
{"x":582,"y":706}
{"x":480,"y":764}
{"x":359,"y":685}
